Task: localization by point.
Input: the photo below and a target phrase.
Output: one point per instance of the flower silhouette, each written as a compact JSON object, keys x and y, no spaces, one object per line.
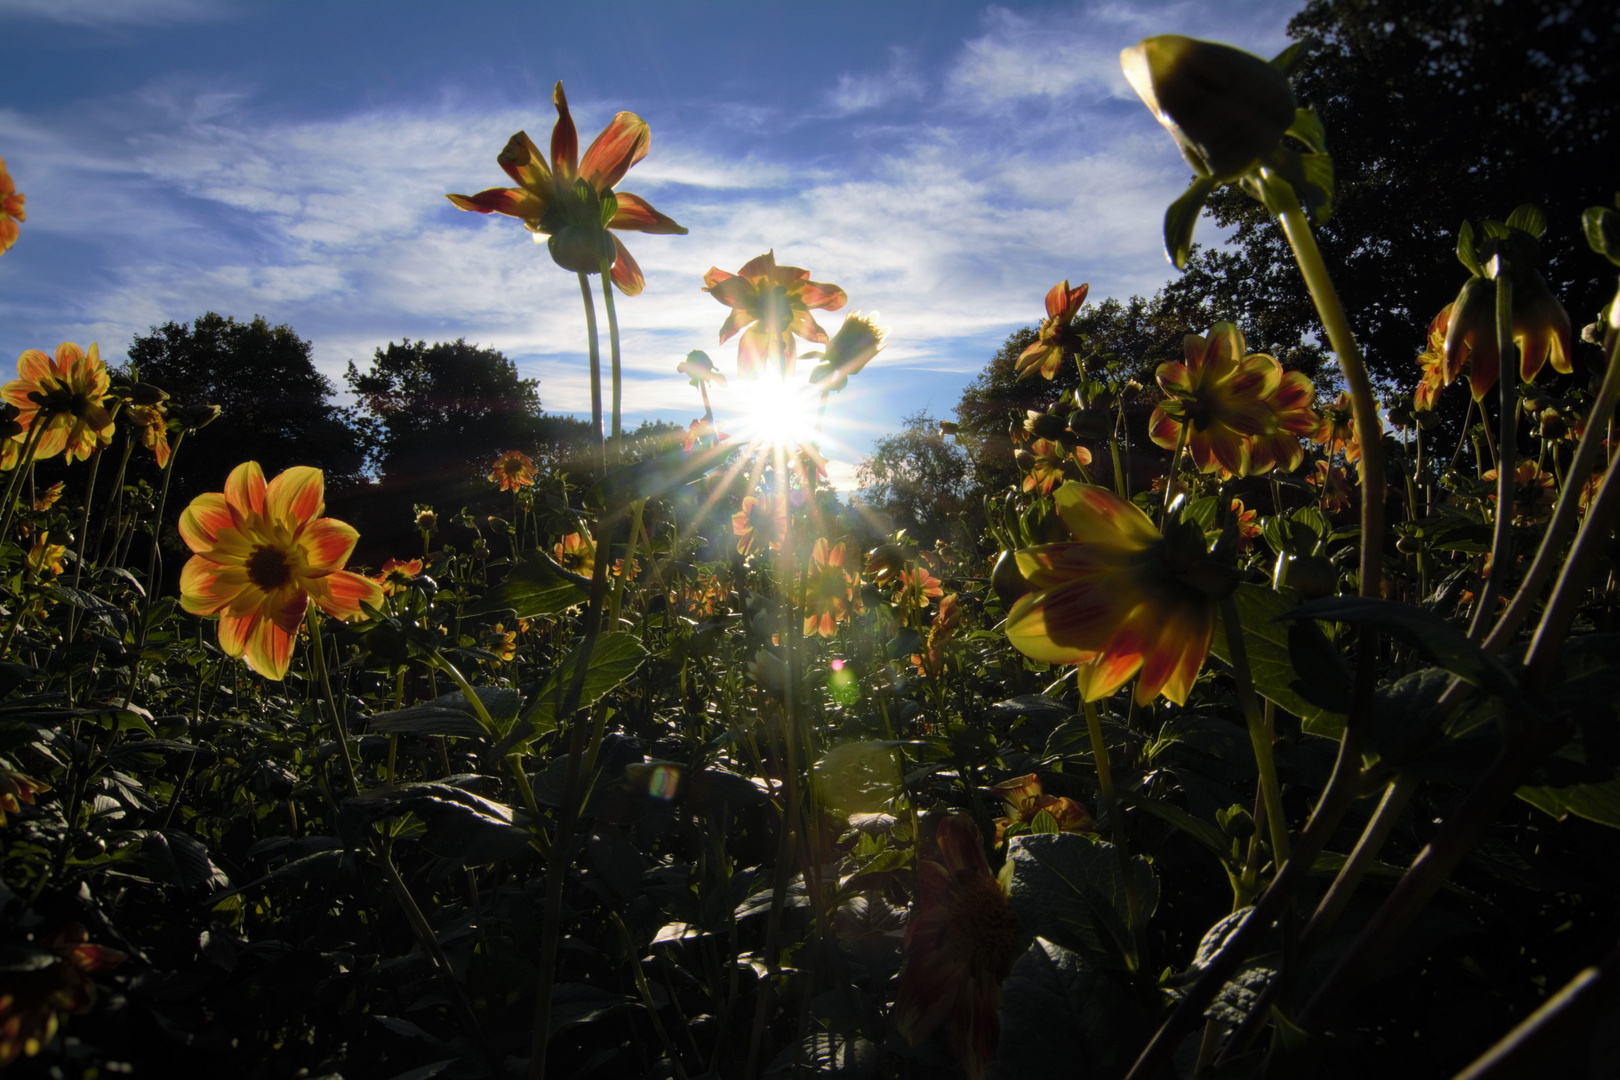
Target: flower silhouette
{"x":1057,"y":336}
{"x":512,"y":470}
{"x":769,"y":305}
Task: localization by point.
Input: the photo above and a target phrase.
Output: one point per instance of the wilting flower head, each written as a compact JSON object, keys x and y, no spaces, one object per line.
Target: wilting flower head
{"x":45,"y":557}
{"x":828,"y":589}
{"x":755,"y":523}
{"x":700,"y":369}
{"x":263,"y":552}
{"x":958,"y":950}
{"x":1432,"y":362}
{"x":1221,"y":394}
{"x":1540,"y":325}
{"x":576,"y":552}
{"x":1119,"y":598}
{"x":1051,"y":463}
{"x":11,"y":208}
{"x":512,"y":470}
{"x":154,"y":426}
{"x":857,"y":341}
{"x":1225,"y":107}
{"x":769,"y":305}
{"x":572,"y":202}
{"x":64,"y":394}
{"x":1333,"y":485}
{"x":1057,"y":335}
{"x":34,"y":1000}
{"x":49,"y":497}
{"x":1024,"y":799}
{"x":398,"y":575}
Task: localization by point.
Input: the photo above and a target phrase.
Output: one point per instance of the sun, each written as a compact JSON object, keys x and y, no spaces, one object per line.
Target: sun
{"x":772,"y":410}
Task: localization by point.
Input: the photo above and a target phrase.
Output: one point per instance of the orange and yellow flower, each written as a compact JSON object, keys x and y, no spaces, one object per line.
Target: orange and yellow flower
{"x":49,"y":497}
{"x":398,"y":575}
{"x":1248,"y":524}
{"x":512,"y":470}
{"x":1219,"y":397}
{"x":918,"y":587}
{"x":12,"y":211}
{"x":15,"y":789}
{"x":931,"y":661}
{"x":153,"y":422}
{"x":576,"y":552}
{"x":828,"y":589}
{"x":571,"y":202}
{"x":1024,"y":799}
{"x":1057,"y":335}
{"x":262,"y":553}
{"x":769,"y":305}
{"x":66,"y":395}
{"x":45,"y":557}
{"x":1293,"y":419}
{"x":1053,"y":463}
{"x":1533,"y":492}
{"x":958,"y":950}
{"x":1118,"y":599}
{"x":755,"y":524}
{"x":1541,"y":329}
{"x":501,"y":642}
{"x":1432,"y":362}
{"x":35,"y":998}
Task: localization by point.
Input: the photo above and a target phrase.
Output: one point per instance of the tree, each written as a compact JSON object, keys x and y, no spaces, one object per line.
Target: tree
{"x":275,"y":408}
{"x":918,"y":479}
{"x":1434,"y":112}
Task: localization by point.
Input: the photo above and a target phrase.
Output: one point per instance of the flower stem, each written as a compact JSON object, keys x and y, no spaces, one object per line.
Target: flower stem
{"x":151,"y":568}
{"x":1506,"y":452}
{"x":24,"y":459}
{"x":596,"y":374}
{"x":1259,"y":732}
{"x":613,"y":357}
{"x":317,"y":650}
{"x":1343,"y":342}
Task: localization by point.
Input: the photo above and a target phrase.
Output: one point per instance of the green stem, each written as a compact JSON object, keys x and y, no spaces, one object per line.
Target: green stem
{"x":317,"y":650}
{"x":1506,"y":454}
{"x":613,"y":357}
{"x":1175,"y":470}
{"x":151,"y":568}
{"x":24,"y":460}
{"x":1259,"y":733}
{"x":596,"y":385}
{"x":1343,"y":342}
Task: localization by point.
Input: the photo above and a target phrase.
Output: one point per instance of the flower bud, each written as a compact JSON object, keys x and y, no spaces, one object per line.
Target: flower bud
{"x":1091,"y":424}
{"x":1007,"y":580}
{"x":195,"y":417}
{"x":147,"y":394}
{"x":947,"y":427}
{"x":1045,"y":425}
{"x":885,"y":563}
{"x":1552,"y":424}
{"x":1225,"y":107}
{"x":427,"y":520}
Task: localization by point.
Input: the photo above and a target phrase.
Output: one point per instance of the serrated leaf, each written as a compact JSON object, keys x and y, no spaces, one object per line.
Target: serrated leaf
{"x":1072,"y":890}
{"x":1181,"y":217}
{"x":1270,"y":664}
{"x":535,"y":586}
{"x":615,"y":659}
{"x":452,"y":714}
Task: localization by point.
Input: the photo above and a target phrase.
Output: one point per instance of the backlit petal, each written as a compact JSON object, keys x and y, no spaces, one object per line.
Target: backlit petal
{"x":32,"y":366}
{"x":513,"y":202}
{"x":621,"y":144}
{"x":522,"y":161}
{"x":564,"y":139}
{"x":296,"y":497}
{"x":201,"y":522}
{"x":1102,"y":519}
{"x":269,"y":649}
{"x":244,"y":489}
{"x":325,"y":545}
{"x":735,"y":292}
{"x":738,"y":320}
{"x":759,"y":266}
{"x":820,"y":294}
{"x":635,"y":215}
{"x":626,"y":273}
{"x":340,"y":594}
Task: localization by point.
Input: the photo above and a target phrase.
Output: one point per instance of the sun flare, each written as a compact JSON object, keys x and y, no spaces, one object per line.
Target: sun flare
{"x":771,"y":410}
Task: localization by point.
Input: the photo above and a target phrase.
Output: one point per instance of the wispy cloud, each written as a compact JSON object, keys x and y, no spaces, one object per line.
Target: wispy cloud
{"x":115,"y":13}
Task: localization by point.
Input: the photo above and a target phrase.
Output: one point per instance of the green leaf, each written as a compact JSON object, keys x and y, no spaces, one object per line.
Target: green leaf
{"x":580,"y":1003}
{"x":1307,"y":128}
{"x":1602,"y":227}
{"x":1071,"y":890}
{"x":1598,"y":802}
{"x":1467,"y":252}
{"x":1182,"y":216}
{"x":452,"y":714}
{"x":460,"y":825}
{"x":615,"y":659}
{"x":1270,"y":664}
{"x":1205,"y":832}
{"x":1530,"y":218}
{"x":535,"y":586}
{"x":1061,"y":1016}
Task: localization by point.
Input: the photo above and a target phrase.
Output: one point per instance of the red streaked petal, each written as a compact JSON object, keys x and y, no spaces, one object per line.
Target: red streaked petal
{"x":233,"y":633}
{"x":806,"y":327}
{"x":33,"y":365}
{"x":268,"y":649}
{"x":823,"y":295}
{"x":513,"y":202}
{"x":1103,"y":519}
{"x":201,"y":522}
{"x":715,"y":276}
{"x":244,"y":489}
{"x":1056,"y":297}
{"x":207,"y":588}
{"x":564,"y":139}
{"x":295,"y":497}
{"x":522,"y":161}
{"x":340,"y":594}
{"x":325,"y":544}
{"x":626,"y":273}
{"x":751,"y":352}
{"x":737,"y":321}
{"x":760,"y":266}
{"x":1225,"y":348}
{"x":635,"y":215}
{"x":735,"y":292}
{"x":610,"y":155}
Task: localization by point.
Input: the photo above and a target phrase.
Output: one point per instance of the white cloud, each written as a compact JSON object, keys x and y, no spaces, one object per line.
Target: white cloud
{"x":115,"y":13}
{"x":858,"y":92}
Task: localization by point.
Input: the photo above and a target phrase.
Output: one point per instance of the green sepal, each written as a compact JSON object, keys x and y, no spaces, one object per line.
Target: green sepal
{"x":1287,"y":60}
{"x":1180,"y":218}
{"x":1529,"y":218}
{"x":1307,"y":128}
{"x":1602,"y":228}
{"x":1467,"y":251}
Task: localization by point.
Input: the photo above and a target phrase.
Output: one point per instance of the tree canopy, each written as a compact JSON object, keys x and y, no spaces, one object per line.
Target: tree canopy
{"x":917,"y":478}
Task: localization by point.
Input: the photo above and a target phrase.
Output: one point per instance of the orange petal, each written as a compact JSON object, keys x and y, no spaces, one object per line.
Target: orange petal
{"x":635,"y":215}
{"x":512,"y":202}
{"x":610,"y":155}
{"x":201,"y":522}
{"x":626,"y":273}
{"x":268,"y":649}
{"x":33,"y":366}
{"x":759,"y":266}
{"x":739,"y":319}
{"x":564,"y":139}
{"x":207,"y":587}
{"x":1104,"y":520}
{"x":295,"y":497}
{"x":522,"y":161}
{"x":244,"y":489}
{"x":734,"y":292}
{"x":820,"y":294}
{"x":340,"y":594}
{"x":325,"y":544}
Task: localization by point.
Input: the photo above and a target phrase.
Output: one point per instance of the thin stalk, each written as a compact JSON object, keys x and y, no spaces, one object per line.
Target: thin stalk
{"x":1389,"y":811}
{"x":151,"y":567}
{"x":1175,"y":470}
{"x":114,"y":497}
{"x":1506,"y":453}
{"x":1116,"y":824}
{"x":596,"y":387}
{"x":317,"y":650}
{"x":613,"y":357}
{"x":24,"y":461}
{"x":1562,"y":1018}
{"x":84,"y":516}
{"x":646,"y":996}
{"x":1259,"y":731}
{"x":1340,"y":337}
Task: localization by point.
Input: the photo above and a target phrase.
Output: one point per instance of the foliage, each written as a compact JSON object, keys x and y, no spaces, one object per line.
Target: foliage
{"x":916,"y":478}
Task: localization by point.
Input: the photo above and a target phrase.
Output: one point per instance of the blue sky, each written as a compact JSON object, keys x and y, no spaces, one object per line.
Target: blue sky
{"x":945,"y":163}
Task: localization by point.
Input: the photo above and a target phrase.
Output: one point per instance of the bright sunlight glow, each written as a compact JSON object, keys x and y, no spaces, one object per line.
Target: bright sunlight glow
{"x":769,"y":410}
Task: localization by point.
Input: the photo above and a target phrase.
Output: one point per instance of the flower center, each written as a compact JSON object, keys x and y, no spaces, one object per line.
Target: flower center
{"x":268,"y":569}
{"x":983,"y":920}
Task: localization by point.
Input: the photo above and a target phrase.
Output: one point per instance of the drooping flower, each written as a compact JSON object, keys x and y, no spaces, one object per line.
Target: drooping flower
{"x":1294,"y":419}
{"x":49,"y":497}
{"x":755,"y":524}
{"x":828,"y":589}
{"x":1220,"y":395}
{"x":1119,"y":598}
{"x":1540,"y":325}
{"x":12,"y":211}
{"x":45,"y":557}
{"x":769,"y":305}
{"x":1248,"y":524}
{"x":931,"y":661}
{"x":58,"y":982}
{"x":1057,"y":335}
{"x":958,"y":950}
{"x":1333,"y":486}
{"x":65,"y":394}
{"x":918,"y":587}
{"x":857,"y":341}
{"x":1532,"y":492}
{"x":398,"y":575}
{"x":1052,"y":464}
{"x":1338,"y":430}
{"x":576,"y":552}
{"x":17,"y":788}
{"x":512,"y":470}
{"x":262,"y":553}
{"x":571,"y":202}
{"x":1024,"y":799}
{"x":153,"y":423}
{"x":1432,"y":362}
{"x":700,"y":369}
